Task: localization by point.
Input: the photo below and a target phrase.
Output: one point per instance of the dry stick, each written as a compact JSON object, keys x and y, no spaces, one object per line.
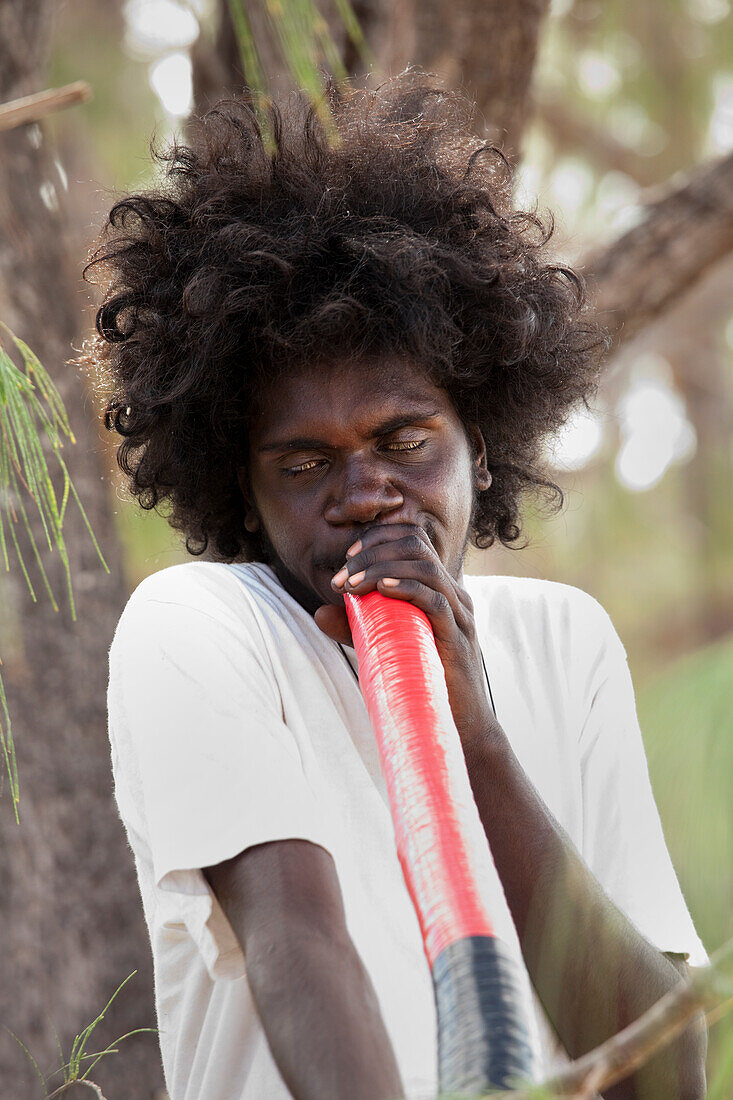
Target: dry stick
{"x":19,"y":112}
{"x":707,"y":988}
{"x":682,"y":234}
{"x":78,"y":1081}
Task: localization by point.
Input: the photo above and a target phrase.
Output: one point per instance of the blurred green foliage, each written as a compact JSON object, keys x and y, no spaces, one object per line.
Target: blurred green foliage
{"x":687,"y":720}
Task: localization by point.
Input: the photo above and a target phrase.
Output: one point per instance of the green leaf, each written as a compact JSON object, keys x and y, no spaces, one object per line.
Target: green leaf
{"x":8,"y":745}
{"x":70,"y":1069}
{"x":304,"y":38}
{"x":33,"y":1061}
{"x":354,"y":31}
{"x":30,"y":409}
{"x":80,"y":1041}
{"x":253,"y":71}
{"x":110,"y":1049}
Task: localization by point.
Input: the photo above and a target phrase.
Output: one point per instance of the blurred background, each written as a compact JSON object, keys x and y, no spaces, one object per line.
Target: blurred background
{"x":619,"y":119}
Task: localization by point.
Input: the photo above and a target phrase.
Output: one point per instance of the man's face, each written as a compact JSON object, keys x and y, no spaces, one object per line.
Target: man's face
{"x":338,"y":450}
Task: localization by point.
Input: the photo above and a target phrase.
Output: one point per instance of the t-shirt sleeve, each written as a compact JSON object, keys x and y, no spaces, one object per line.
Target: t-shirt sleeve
{"x":200,"y":739}
{"x":623,"y":841}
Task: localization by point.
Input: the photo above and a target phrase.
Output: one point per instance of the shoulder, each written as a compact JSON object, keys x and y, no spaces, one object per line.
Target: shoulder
{"x":532,"y":612}
{"x":533,"y":598}
{"x":202,"y":584}
{"x":196,"y":594}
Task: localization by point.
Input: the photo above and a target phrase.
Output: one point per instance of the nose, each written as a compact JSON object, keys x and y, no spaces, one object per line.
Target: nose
{"x":362,"y":494}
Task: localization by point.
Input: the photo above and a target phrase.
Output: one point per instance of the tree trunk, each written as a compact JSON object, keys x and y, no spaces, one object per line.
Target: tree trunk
{"x":69,"y":910}
{"x":485,"y":46}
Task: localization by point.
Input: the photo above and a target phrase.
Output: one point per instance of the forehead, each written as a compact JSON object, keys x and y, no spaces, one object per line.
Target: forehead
{"x":349,"y":394}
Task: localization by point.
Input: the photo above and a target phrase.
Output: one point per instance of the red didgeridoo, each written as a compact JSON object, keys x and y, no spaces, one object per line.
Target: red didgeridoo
{"x":482,"y":1033}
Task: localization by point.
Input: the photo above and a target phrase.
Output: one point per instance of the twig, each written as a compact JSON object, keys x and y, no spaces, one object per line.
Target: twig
{"x":18,"y":112}
{"x":77,"y":1081}
{"x":707,"y":988}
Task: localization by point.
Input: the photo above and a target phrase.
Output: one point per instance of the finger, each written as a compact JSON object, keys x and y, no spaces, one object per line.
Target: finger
{"x":432,"y":601}
{"x":464,"y":597}
{"x":427,"y":572}
{"x":385,"y":559}
{"x":407,"y":546}
{"x":388,"y":532}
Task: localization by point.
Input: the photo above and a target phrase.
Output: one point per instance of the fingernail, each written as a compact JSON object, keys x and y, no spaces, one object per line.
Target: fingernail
{"x":357,"y":578}
{"x":340,"y":577}
{"x":354,"y":549}
{"x":391,"y":582}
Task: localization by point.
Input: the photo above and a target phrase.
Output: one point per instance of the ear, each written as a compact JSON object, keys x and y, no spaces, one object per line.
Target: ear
{"x":481,"y":473}
{"x":251,"y":519}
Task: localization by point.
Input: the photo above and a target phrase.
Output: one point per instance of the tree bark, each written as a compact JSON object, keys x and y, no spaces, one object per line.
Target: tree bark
{"x":487,"y":47}
{"x":70,"y":912}
{"x":217,"y":66}
{"x":679,"y":237}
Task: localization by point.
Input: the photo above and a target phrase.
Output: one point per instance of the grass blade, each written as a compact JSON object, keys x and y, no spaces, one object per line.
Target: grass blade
{"x":23,"y":420}
{"x":296,"y":34}
{"x":354,"y":31}
{"x":80,"y":1042}
{"x":252,"y":70}
{"x":75,"y":495}
{"x":33,"y":1061}
{"x":8,"y":745}
{"x":111,"y":1048}
{"x":45,"y":385}
{"x":59,"y":1048}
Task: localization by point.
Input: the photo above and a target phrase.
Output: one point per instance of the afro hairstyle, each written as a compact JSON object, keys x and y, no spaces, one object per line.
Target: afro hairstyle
{"x":251,"y":258}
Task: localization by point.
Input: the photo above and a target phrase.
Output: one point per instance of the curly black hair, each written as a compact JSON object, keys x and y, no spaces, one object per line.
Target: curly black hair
{"x":250,"y":260}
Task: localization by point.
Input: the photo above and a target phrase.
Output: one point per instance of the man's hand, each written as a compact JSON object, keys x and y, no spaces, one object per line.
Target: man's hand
{"x":589,"y":965}
{"x":399,"y":561}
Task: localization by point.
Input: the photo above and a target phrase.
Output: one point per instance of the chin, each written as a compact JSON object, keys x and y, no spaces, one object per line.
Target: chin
{"x":328,"y":595}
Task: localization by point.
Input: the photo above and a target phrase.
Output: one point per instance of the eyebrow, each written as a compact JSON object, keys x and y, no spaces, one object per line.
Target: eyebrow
{"x":406,"y":420}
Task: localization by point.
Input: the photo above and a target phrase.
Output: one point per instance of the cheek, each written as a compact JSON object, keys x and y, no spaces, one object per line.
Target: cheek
{"x":285,"y":516}
{"x":462,"y":503}
{"x":458,"y":474}
{"x":279,"y":516}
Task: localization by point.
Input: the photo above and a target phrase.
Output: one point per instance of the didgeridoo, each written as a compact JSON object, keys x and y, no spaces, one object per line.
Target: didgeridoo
{"x":482,"y":1033}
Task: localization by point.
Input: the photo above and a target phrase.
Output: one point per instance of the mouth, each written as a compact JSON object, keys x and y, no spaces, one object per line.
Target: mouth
{"x":332,"y":565}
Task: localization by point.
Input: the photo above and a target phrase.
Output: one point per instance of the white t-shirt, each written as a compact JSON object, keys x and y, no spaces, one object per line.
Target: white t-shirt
{"x":234,"y":720}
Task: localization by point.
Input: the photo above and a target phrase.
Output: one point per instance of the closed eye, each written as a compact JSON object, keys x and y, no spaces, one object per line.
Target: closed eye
{"x":306,"y":467}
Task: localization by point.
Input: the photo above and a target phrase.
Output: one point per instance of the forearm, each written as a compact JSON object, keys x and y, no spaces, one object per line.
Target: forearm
{"x":593,"y":972}
{"x":321,"y":1018}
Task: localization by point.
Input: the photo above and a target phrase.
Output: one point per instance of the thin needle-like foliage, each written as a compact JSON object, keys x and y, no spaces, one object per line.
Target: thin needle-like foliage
{"x":31,"y":408}
{"x":305,"y":42}
{"x":73,"y":1071}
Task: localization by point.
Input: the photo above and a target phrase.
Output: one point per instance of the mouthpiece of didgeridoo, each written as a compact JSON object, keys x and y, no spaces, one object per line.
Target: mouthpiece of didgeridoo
{"x":482,"y":1034}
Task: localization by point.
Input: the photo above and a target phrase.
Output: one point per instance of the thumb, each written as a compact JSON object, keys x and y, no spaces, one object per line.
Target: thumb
{"x":332,"y":621}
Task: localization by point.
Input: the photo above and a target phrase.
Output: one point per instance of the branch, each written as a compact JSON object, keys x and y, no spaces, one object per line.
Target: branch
{"x":681,"y":236}
{"x":573,"y":131}
{"x":707,"y":988}
{"x":77,"y":1081}
{"x":19,"y":112}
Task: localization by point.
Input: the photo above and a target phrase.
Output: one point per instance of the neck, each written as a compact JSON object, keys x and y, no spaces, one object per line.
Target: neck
{"x":304,"y":595}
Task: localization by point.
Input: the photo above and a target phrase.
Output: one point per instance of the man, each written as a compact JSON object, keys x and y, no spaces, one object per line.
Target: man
{"x":338,"y":366}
